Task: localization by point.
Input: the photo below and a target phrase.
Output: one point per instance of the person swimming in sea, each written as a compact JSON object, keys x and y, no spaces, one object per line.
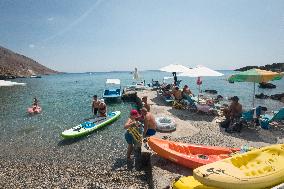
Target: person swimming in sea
{"x":35,"y":103}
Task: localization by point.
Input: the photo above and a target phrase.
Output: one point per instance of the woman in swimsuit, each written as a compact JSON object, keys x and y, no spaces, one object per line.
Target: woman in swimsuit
{"x":102,"y":108}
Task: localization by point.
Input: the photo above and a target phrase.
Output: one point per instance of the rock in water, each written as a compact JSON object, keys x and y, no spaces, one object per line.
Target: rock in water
{"x":261,"y":96}
{"x":277,"y":96}
{"x":211,"y":91}
{"x":267,"y":86}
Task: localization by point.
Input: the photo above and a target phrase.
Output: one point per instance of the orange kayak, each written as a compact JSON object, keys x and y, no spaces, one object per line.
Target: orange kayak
{"x":189,"y":155}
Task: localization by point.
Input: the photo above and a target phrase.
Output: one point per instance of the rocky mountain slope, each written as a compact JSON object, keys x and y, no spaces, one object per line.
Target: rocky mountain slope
{"x":16,"y":65}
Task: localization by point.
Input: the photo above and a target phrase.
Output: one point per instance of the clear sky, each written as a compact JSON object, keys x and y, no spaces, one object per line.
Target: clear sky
{"x":107,"y":35}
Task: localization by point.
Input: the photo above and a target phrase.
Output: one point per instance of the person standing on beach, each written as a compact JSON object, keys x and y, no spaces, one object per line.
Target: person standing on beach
{"x":150,"y":125}
{"x":186,"y":91}
{"x":139,"y":104}
{"x":102,"y":108}
{"x":145,"y":103}
{"x":95,"y":105}
{"x":175,"y":78}
{"x":131,"y":122}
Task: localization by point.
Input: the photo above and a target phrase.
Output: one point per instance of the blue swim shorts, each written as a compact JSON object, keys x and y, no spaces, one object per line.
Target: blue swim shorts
{"x":150,"y":132}
{"x":129,"y":139}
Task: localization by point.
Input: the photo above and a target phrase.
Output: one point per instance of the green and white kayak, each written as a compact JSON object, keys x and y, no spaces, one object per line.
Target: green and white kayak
{"x":90,"y":126}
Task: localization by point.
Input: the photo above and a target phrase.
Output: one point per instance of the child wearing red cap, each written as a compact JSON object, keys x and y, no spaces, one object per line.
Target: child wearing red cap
{"x":131,"y":122}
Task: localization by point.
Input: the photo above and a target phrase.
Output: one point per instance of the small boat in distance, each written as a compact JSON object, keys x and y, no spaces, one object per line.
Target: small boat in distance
{"x":112,"y":89}
{"x":35,"y":76}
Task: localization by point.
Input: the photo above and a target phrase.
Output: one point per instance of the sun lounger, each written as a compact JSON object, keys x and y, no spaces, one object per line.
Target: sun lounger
{"x":266,"y":119}
{"x":168,"y":99}
{"x":200,"y":107}
{"x":251,"y":114}
{"x":190,"y":102}
{"x":277,"y":116}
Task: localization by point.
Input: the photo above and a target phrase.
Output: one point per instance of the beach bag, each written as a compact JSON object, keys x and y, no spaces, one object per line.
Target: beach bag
{"x":225,"y":124}
{"x":237,"y":126}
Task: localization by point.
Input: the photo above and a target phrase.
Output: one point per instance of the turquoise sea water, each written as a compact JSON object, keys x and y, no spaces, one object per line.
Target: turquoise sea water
{"x":66,"y":99}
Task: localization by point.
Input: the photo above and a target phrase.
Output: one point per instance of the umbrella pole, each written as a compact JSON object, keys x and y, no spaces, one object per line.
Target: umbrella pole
{"x":253,"y":94}
{"x":198,"y":93}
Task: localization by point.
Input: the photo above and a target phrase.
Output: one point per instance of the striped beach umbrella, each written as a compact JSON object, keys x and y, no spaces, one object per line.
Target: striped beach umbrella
{"x":255,"y":76}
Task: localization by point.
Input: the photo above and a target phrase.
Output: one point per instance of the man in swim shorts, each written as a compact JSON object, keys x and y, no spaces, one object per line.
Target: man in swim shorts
{"x":95,"y":105}
{"x":150,"y":125}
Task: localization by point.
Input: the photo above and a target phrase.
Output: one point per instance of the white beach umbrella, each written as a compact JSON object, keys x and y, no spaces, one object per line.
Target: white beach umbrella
{"x":200,"y":71}
{"x":175,"y":68}
{"x":178,"y":68}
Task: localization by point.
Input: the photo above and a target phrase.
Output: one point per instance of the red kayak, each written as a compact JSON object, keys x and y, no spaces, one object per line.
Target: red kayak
{"x":189,"y":155}
{"x":34,"y":110}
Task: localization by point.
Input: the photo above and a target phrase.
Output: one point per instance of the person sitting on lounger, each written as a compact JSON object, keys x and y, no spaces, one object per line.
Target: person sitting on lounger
{"x":235,"y":109}
{"x":166,"y":90}
{"x":186,"y":91}
{"x":233,"y":113}
{"x":177,"y":94}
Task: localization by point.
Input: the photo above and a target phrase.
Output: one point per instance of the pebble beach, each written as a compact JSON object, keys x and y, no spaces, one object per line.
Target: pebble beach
{"x":63,"y":167}
{"x":199,"y":128}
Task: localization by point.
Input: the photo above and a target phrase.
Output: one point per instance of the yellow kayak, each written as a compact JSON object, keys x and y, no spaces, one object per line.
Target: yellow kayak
{"x":260,"y":168}
{"x":189,"y":183}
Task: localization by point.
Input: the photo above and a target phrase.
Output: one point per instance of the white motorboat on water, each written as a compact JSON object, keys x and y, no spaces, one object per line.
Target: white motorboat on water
{"x":112,"y":89}
{"x":138,"y":84}
{"x":35,"y":76}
